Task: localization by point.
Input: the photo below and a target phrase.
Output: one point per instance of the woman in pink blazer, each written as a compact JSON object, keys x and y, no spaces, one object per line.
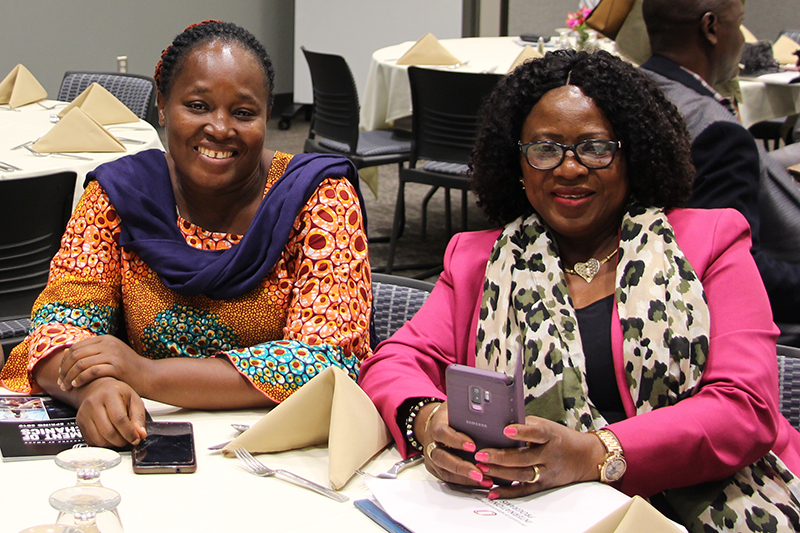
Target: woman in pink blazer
{"x":644,"y":329}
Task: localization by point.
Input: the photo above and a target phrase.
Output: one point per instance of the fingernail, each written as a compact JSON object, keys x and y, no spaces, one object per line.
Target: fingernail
{"x":482,"y":456}
{"x":510,"y":431}
{"x":493,"y":496}
{"x":469,"y":446}
{"x":487,"y":484}
{"x":482,"y":467}
{"x":475,"y":475}
{"x":74,"y":383}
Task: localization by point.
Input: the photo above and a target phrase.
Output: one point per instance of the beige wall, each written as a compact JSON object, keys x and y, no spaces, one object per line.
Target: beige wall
{"x":765,"y":18}
{"x":52,"y":36}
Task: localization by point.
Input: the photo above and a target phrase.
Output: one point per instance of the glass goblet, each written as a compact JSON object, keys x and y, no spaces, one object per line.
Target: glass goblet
{"x":51,"y":528}
{"x":563,"y":40}
{"x":89,"y":508}
{"x":88,"y":462}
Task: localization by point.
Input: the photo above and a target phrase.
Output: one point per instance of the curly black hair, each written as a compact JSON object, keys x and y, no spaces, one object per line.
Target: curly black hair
{"x":654,"y":136}
{"x":173,"y":56}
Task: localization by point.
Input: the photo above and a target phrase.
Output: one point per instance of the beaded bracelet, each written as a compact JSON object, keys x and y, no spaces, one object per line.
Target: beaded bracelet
{"x":412,"y":416}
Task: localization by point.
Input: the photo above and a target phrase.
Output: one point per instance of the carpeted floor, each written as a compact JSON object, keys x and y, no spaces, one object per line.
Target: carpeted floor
{"x":411,"y":248}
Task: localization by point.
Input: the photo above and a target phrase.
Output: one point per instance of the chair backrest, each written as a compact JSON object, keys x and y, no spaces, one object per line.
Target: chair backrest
{"x":394,"y":301}
{"x":33,"y":218}
{"x":336,"y":106}
{"x":446,"y":106}
{"x":134,"y":90}
{"x":789,"y":387}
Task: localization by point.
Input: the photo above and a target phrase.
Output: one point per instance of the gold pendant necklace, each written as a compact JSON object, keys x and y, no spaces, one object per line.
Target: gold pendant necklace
{"x":589,"y":269}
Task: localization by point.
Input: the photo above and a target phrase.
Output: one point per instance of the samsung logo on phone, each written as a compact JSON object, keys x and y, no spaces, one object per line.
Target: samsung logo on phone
{"x":473,"y":423}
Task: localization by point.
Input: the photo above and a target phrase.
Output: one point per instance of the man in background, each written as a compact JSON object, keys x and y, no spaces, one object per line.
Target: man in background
{"x":696,"y":45}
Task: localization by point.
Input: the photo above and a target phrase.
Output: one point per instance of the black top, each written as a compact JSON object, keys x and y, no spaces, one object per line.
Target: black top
{"x":594,"y":322}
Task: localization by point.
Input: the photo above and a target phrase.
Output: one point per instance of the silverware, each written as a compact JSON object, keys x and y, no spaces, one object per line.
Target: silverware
{"x":399,"y":466}
{"x":238,"y":427}
{"x":8,"y":167}
{"x":257,"y":468}
{"x":129,"y":141}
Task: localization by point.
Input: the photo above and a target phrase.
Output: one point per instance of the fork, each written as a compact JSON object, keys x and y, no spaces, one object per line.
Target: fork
{"x":257,"y":468}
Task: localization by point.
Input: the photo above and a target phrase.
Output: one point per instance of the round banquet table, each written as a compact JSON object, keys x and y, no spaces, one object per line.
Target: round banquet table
{"x":387,"y":95}
{"x":29,"y":122}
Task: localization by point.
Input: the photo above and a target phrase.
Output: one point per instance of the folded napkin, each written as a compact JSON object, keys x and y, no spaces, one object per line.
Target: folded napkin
{"x":428,"y":51}
{"x":331,"y":408}
{"x":78,"y":132}
{"x":102,"y":106}
{"x":20,"y":87}
{"x":635,"y":516}
{"x":783,"y":50}
{"x":748,"y":35}
{"x":527,"y":53}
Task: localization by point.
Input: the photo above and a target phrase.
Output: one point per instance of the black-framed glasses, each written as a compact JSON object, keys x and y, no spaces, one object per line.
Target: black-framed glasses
{"x":591,"y":153}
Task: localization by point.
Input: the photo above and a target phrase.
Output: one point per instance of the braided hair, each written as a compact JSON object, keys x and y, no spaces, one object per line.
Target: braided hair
{"x":172,"y":58}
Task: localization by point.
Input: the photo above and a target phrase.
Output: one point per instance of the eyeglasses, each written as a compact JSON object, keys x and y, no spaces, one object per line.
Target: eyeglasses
{"x":591,"y":153}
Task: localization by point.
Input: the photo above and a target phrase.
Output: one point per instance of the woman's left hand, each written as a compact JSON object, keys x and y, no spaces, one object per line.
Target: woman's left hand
{"x":103,"y":356}
{"x":554,"y":456}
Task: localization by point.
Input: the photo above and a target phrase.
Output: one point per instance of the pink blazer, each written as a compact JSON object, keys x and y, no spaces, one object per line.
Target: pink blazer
{"x":729,"y":423}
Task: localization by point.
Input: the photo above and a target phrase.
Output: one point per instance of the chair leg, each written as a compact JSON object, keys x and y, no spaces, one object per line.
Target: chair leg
{"x":397,"y":225}
{"x":464,"y":200}
{"x":448,"y":224}
{"x":425,"y":201}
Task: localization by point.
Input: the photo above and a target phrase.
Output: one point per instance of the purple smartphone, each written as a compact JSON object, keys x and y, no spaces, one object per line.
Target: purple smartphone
{"x":481,"y":403}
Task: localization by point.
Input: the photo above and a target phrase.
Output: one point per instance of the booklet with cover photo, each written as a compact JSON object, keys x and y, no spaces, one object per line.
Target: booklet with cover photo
{"x":36,"y":427}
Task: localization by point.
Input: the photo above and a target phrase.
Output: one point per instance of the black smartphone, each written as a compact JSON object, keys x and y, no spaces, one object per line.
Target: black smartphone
{"x":481,"y":403}
{"x":167,"y":449}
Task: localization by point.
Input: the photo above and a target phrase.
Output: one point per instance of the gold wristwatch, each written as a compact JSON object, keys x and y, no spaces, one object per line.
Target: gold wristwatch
{"x":613,"y":466}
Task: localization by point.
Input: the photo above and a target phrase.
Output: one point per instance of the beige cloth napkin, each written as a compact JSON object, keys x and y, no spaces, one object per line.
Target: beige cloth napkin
{"x":748,"y":35}
{"x":783,"y":50}
{"x":20,"y":87}
{"x":331,"y":408}
{"x":78,"y":132}
{"x":428,"y":51}
{"x":101,"y":105}
{"x":635,"y":516}
{"x":527,"y":53}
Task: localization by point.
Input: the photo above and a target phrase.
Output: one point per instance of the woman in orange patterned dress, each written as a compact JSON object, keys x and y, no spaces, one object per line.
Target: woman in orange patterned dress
{"x":236,"y":273}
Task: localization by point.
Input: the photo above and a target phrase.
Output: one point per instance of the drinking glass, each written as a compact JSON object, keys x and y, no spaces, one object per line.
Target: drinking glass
{"x":563,"y":40}
{"x":89,"y":508}
{"x":88,"y":462}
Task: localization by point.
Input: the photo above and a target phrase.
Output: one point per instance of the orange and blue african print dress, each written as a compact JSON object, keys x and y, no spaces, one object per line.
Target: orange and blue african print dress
{"x":311,"y":312}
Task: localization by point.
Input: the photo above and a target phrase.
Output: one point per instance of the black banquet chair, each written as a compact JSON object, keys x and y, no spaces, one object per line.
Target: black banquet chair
{"x":394,"y":301}
{"x":134,"y":90}
{"x":334,"y":122}
{"x":33,"y":219}
{"x":446,"y":107}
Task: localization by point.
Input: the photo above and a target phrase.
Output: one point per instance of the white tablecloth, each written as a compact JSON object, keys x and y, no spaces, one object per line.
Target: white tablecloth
{"x":220,"y":497}
{"x":387,"y":95}
{"x":31,"y":121}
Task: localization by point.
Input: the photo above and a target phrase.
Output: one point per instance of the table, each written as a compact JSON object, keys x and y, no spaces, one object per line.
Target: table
{"x":31,"y":121}
{"x":219,"y":497}
{"x":387,"y":95}
{"x":764,"y":101}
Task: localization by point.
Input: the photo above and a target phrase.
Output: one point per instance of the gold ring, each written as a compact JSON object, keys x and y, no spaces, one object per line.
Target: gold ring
{"x":429,"y":449}
{"x":536,"y":474}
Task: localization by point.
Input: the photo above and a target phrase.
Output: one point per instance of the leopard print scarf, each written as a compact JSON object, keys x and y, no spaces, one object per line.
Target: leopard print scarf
{"x":526,"y":311}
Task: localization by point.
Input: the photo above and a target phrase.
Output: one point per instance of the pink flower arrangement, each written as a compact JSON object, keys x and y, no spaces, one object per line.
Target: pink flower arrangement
{"x":577,"y":20}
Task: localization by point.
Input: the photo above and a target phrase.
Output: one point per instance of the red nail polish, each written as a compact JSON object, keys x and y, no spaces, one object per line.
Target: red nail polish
{"x":482,"y":456}
{"x":475,"y":475}
{"x":469,"y":446}
{"x":493,"y":496}
{"x":482,"y":467}
{"x":510,"y":431}
{"x":487,"y":484}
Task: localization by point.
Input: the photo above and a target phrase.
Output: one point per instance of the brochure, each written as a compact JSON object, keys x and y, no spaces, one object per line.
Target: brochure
{"x":33,"y":427}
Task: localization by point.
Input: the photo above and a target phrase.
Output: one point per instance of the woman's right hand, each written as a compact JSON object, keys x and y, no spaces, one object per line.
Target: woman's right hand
{"x":437,"y":438}
{"x":111,"y":413}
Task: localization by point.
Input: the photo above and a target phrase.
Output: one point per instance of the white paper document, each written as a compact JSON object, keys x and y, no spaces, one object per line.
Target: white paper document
{"x":434,"y":507}
{"x":780,"y":78}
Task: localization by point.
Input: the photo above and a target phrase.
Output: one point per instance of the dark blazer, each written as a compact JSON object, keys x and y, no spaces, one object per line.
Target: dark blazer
{"x":733,"y":171}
